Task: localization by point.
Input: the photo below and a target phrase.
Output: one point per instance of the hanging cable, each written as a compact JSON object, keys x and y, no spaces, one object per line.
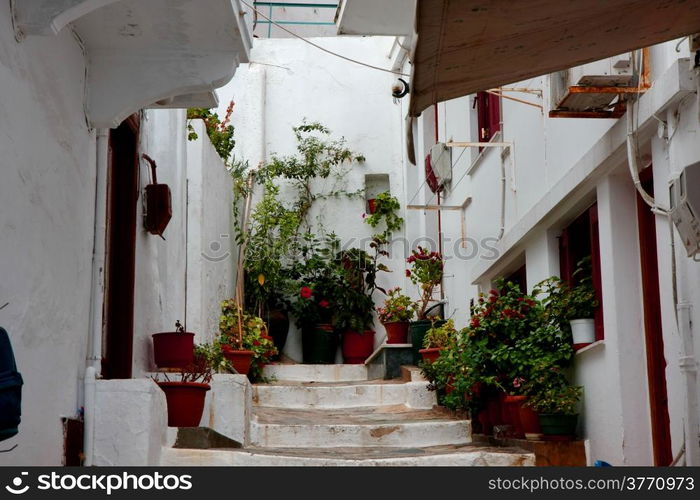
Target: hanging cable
{"x":393,"y":72}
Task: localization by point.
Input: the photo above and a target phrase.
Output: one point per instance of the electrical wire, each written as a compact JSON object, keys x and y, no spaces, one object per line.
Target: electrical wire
{"x":393,"y":72}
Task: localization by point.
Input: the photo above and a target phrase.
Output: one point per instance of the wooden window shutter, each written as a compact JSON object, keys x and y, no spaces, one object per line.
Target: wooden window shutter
{"x":595,"y":269}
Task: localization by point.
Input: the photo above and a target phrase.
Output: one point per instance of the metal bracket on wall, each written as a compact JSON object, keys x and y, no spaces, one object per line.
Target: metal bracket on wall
{"x":461,"y":208}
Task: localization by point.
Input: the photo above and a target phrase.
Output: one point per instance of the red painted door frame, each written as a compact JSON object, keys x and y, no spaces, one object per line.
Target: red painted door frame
{"x":122,"y":196}
{"x":653,"y":333}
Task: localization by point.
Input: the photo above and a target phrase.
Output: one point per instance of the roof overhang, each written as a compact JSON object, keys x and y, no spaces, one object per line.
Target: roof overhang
{"x":155,"y":53}
{"x":465,"y":46}
{"x":369,"y":17}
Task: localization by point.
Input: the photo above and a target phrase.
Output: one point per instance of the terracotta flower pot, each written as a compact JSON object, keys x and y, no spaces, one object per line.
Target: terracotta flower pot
{"x":430,"y":354}
{"x":396,"y":332}
{"x":185,"y":402}
{"x":513,"y":404}
{"x":357,"y":347}
{"x":240,"y":359}
{"x":173,"y":349}
{"x":371,"y":206}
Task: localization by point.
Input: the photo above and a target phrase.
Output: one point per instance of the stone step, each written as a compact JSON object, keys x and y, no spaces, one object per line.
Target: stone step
{"x":316,"y":373}
{"x":392,"y":426}
{"x":459,"y":455}
{"x":309,"y":395}
{"x":412,"y":374}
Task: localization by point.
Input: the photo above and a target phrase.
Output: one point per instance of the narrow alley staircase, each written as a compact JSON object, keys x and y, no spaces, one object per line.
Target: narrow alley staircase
{"x":333,"y":415}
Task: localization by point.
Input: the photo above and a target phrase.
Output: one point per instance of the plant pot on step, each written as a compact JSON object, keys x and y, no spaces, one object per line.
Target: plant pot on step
{"x":416,"y":333}
{"x":431,"y":354}
{"x":582,"y":331}
{"x":319,"y":344}
{"x":240,"y":359}
{"x":173,"y":349}
{"x":557,"y":426}
{"x":185,"y":402}
{"x":357,"y":347}
{"x":396,"y":332}
{"x":278,"y":328}
{"x":513,"y":405}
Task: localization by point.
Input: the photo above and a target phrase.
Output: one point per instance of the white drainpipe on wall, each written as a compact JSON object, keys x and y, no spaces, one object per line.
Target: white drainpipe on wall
{"x":94,"y":360}
{"x":689,"y":368}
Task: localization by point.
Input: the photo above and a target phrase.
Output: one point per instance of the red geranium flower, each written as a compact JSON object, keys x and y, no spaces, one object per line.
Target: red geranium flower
{"x":306,"y":292}
{"x":324,"y":303}
{"x":408,"y":273}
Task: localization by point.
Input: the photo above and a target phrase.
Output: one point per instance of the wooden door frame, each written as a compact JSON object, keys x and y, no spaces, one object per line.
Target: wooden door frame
{"x":653,"y":331}
{"x":120,"y":263}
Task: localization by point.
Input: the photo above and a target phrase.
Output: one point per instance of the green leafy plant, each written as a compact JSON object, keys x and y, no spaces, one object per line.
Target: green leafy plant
{"x":440,"y":336}
{"x":319,"y":157}
{"x":397,"y":307}
{"x":386,"y":208}
{"x":426,"y":272}
{"x":240,"y":330}
{"x":557,"y":398}
{"x":220,"y":132}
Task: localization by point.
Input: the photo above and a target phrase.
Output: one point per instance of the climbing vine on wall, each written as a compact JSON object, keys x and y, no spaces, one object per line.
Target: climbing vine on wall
{"x":220,"y":132}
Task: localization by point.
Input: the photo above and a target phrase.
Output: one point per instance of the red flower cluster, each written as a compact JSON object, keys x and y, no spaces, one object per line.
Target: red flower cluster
{"x":512,"y":313}
{"x":306,"y":292}
{"x":323,"y":303}
{"x":423,"y":254}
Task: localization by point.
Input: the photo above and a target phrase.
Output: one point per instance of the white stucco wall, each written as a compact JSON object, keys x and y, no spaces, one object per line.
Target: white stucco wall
{"x":560,"y":167}
{"x":290,"y":81}
{"x":160,"y":263}
{"x":211,"y":246}
{"x":47,"y":188}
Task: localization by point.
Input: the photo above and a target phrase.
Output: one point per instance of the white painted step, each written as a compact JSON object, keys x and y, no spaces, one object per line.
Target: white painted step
{"x":390,"y":426}
{"x":316,"y":373}
{"x":462,"y":456}
{"x":301,"y":395}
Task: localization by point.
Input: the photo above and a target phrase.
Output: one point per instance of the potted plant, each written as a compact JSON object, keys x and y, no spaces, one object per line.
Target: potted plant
{"x":173,"y":349}
{"x":353,"y":316}
{"x":581,"y":304}
{"x":185,"y":397}
{"x":556,"y":407}
{"x":395,"y":315}
{"x":426,"y":272}
{"x":242,"y":340}
{"x":436,"y":339}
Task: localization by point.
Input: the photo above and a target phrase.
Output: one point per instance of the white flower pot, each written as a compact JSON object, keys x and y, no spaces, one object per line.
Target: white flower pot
{"x":583,"y":330}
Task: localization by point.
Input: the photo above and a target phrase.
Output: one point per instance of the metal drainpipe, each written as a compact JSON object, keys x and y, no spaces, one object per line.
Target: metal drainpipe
{"x":94,"y":360}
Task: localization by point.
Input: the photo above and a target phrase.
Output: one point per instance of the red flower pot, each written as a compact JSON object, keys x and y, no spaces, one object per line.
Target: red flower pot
{"x":431,"y":354}
{"x":173,"y":349}
{"x":357,"y":347}
{"x":493,"y":406}
{"x":240,"y":359}
{"x":371,"y":206}
{"x":185,"y":402}
{"x":530,"y":422}
{"x":396,"y":332}
{"x":513,"y":404}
